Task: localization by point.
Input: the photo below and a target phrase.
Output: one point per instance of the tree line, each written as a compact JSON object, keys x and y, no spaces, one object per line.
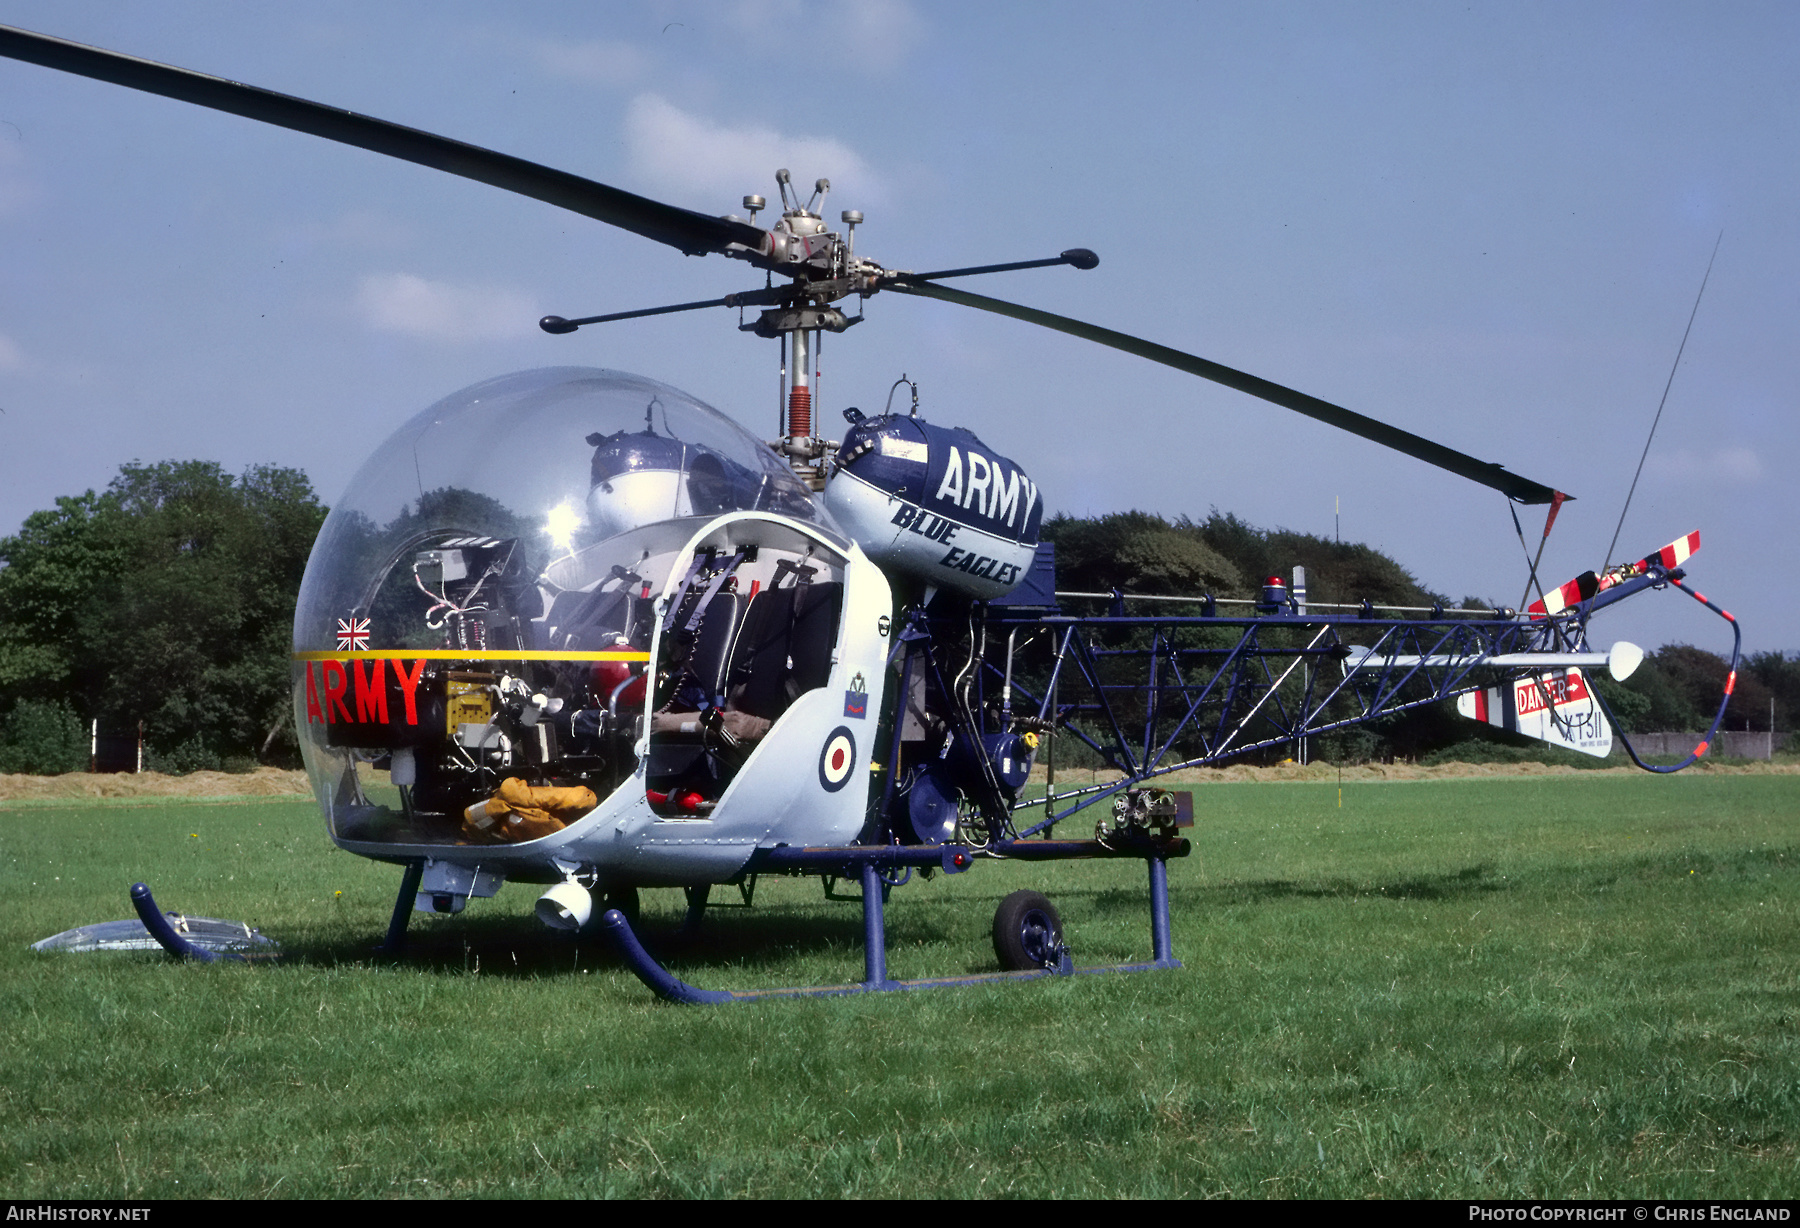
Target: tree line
{"x":168,"y":599}
{"x":1677,"y":688}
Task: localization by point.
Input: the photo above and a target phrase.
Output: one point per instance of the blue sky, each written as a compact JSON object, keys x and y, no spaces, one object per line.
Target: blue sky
{"x":1485,"y":223}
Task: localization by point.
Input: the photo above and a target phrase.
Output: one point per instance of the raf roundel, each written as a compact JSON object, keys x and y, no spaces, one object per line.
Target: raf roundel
{"x":837,"y":760}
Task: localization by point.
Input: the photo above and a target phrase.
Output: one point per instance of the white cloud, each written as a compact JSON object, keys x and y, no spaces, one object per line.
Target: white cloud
{"x":764,"y":23}
{"x":1738,"y":464}
{"x":681,"y":153}
{"x":360,"y":228}
{"x":1731,"y":466}
{"x":12,"y":358}
{"x":877,"y":34}
{"x":440,"y":311}
{"x":18,"y":188}
{"x":594,"y":62}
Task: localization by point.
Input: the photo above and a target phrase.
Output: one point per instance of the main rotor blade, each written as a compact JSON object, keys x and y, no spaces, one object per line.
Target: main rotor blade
{"x":693,"y":233}
{"x":1488,"y":474}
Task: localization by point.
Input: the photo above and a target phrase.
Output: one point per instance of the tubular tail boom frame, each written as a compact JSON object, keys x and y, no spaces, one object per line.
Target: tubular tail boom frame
{"x":1189,"y":705}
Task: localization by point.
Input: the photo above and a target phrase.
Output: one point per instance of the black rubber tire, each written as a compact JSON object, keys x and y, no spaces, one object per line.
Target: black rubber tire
{"x":1027,"y":932}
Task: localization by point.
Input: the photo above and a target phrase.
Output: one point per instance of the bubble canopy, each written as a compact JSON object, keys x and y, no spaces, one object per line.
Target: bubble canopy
{"x":479,"y":605}
{"x":557,"y":459}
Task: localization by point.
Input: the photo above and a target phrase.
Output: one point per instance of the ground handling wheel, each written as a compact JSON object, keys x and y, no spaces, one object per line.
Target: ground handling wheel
{"x":1027,"y":933}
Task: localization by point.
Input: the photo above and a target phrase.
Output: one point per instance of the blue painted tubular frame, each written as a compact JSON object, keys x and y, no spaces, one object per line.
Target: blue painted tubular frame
{"x":165,"y":934}
{"x":1203,"y":704}
{"x":1153,"y":695}
{"x":1737,"y":650}
{"x":395,"y":942}
{"x":866,"y":863}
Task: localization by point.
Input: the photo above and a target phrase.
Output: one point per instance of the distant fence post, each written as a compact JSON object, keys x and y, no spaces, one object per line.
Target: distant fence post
{"x":115,"y":752}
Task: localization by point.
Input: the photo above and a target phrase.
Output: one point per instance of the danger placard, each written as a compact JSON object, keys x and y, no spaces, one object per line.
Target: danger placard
{"x":1555,"y":707}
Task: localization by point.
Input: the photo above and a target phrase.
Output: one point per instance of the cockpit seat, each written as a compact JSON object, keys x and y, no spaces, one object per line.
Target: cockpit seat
{"x":587,"y":621}
{"x":784,"y":648}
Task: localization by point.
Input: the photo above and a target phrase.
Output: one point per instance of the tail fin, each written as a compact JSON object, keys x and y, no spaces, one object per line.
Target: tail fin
{"x":1554,"y":707}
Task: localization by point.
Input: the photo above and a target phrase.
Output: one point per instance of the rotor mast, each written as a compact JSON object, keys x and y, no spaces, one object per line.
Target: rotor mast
{"x":824,"y":268}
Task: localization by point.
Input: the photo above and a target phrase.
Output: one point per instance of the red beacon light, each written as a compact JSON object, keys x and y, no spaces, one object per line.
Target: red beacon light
{"x":1274,"y":596}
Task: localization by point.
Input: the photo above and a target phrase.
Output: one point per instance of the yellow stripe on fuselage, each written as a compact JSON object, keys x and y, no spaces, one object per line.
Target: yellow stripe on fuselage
{"x":458,"y":654}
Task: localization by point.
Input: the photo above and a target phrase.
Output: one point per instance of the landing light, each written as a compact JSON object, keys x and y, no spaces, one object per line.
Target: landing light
{"x":566,"y":906}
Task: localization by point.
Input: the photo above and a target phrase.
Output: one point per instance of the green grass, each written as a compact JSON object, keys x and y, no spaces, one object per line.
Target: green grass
{"x":1538,"y":987}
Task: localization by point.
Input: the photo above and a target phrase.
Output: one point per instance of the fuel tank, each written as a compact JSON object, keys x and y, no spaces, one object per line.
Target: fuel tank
{"x":936,"y":504}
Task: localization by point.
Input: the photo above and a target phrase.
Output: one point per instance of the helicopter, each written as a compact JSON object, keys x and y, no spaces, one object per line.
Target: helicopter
{"x":599,"y":637}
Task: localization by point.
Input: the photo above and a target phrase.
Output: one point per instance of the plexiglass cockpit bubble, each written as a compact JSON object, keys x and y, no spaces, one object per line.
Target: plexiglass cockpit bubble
{"x":480,"y":596}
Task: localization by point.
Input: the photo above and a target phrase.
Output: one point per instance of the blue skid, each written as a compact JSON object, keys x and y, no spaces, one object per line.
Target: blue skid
{"x":179,"y":946}
{"x":868,"y":862}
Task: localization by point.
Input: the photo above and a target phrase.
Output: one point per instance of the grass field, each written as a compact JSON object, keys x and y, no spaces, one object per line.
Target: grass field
{"x":1539,"y":987}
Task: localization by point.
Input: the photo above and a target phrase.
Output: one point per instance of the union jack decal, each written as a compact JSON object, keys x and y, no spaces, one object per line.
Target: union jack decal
{"x":353,"y":635}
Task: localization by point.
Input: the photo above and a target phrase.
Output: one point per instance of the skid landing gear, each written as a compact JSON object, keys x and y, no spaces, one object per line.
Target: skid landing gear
{"x":1027,"y":923}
